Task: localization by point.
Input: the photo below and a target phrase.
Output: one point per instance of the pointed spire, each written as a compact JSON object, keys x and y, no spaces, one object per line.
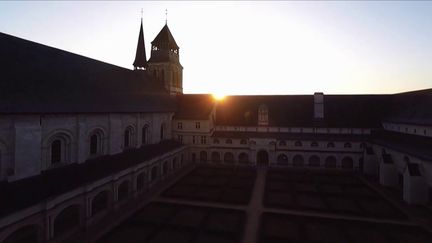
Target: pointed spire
{"x":140,"y":57}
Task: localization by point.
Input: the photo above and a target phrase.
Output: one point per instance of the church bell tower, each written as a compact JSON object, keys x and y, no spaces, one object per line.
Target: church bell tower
{"x":164,"y":63}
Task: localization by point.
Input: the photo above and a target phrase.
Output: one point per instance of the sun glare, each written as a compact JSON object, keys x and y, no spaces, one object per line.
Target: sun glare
{"x":218,"y":96}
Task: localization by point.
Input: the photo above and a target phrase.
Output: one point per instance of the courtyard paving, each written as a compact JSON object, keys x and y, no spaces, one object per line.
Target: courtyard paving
{"x":251,"y":205}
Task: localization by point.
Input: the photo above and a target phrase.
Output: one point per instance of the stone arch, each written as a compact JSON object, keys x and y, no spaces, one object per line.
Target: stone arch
{"x":243,"y":141}
{"x":68,"y":219}
{"x":330,"y":162}
{"x":140,"y":181}
{"x":282,"y":143}
{"x":216,"y":141}
{"x":123,"y":190}
{"x":314,"y":161}
{"x":229,"y":158}
{"x":282,"y":159}
{"x":347,"y":163}
{"x":347,"y":145}
{"x":298,"y":144}
{"x":175,"y":163}
{"x":154,"y":174}
{"x":298,"y":160}
{"x":262,"y":158}
{"x":59,"y":147}
{"x":228,"y":141}
{"x":215,"y":157}
{"x":100,"y":202}
{"x":314,"y":144}
{"x":243,"y":158}
{"x":165,"y":168}
{"x":203,"y":156}
{"x":26,"y":234}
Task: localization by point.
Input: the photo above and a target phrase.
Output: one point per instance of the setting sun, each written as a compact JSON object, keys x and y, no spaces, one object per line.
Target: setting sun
{"x":219,"y":96}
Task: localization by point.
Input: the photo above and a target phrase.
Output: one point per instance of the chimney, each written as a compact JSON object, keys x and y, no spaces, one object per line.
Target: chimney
{"x":318,"y":105}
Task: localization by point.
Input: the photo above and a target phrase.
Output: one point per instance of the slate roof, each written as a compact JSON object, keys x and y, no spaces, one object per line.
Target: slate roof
{"x":194,"y":106}
{"x":298,"y":110}
{"x":35,"y":78}
{"x":165,"y":38}
{"x":140,"y":57}
{"x":27,"y":192}
{"x":411,"y":108}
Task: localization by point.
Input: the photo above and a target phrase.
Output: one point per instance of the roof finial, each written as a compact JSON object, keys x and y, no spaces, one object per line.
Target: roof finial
{"x":166,"y":16}
{"x":141,"y":13}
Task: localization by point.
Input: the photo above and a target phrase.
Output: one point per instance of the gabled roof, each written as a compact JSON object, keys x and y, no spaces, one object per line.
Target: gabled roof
{"x":140,"y":57}
{"x":165,"y":38}
{"x":35,"y":78}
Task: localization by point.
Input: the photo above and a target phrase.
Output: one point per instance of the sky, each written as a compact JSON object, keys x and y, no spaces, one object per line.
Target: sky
{"x":282,"y":47}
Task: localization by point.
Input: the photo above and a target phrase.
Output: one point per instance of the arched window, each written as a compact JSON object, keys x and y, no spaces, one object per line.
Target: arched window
{"x":243,"y":158}
{"x":263,"y":115}
{"x":203,"y":156}
{"x":330,"y":145}
{"x":330,"y":162}
{"x":144,"y":135}
{"x":216,"y":141}
{"x":100,"y":202}
{"x":298,"y":144}
{"x":243,"y":141}
{"x":162,"y":131}
{"x":215,"y":157}
{"x":96,"y":145}
{"x":67,"y":220}
{"x":314,"y":144}
{"x":228,"y":141}
{"x":57,"y":148}
{"x":314,"y":161}
{"x":282,"y":159}
{"x":229,"y":157}
{"x":128,"y":140}
{"x":347,"y":145}
{"x":298,"y":161}
{"x":282,"y":143}
{"x":56,"y":151}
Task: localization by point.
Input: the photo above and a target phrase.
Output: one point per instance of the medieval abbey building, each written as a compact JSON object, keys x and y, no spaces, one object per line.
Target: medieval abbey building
{"x":82,"y":140}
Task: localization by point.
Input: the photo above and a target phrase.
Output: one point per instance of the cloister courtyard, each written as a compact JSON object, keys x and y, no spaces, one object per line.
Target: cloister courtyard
{"x":228,"y":204}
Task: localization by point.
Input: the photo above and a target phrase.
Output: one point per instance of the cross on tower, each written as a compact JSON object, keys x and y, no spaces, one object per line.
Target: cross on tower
{"x":166,"y":16}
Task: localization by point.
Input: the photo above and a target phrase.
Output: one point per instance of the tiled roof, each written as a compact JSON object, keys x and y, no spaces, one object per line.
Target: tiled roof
{"x":298,"y":110}
{"x":194,"y":106}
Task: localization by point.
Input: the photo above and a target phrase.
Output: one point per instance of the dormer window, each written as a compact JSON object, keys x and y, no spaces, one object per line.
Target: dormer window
{"x":263,"y":115}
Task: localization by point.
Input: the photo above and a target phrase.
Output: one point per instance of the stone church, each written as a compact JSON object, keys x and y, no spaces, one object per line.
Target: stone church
{"x":81,"y":139}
